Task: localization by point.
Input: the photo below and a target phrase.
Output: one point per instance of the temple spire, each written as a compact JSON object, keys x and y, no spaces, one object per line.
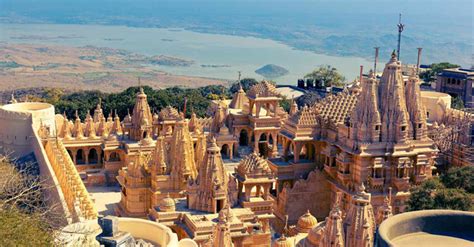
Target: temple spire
{"x":359,"y":224}
{"x":182,"y":164}
{"x":209,"y":191}
{"x":365,"y":119}
{"x":334,"y":231}
{"x":392,"y":103}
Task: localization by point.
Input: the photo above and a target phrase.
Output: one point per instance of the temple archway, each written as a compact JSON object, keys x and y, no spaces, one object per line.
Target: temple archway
{"x":80,"y":157}
{"x":225,"y":151}
{"x":93,"y":157}
{"x":243,"y":138}
{"x":114,"y":156}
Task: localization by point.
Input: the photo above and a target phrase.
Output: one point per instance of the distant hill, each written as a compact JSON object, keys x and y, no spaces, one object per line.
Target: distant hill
{"x":271,"y":71}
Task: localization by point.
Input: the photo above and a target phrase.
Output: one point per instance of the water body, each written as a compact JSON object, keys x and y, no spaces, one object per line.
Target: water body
{"x":245,"y":54}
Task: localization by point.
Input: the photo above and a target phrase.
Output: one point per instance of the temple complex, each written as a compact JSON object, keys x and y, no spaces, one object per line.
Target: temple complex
{"x":326,"y":174}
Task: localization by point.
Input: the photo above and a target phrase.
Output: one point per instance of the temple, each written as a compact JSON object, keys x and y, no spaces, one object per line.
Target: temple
{"x":326,"y":174}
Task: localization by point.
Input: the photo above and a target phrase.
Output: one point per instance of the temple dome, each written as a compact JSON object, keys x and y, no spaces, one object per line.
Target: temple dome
{"x":306,"y":222}
{"x":169,"y":113}
{"x":282,"y":242}
{"x":253,"y":165}
{"x":167,"y":204}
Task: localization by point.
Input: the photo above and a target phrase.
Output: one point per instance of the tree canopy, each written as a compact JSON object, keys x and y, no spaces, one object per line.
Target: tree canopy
{"x":430,"y":74}
{"x":452,"y":191}
{"x":22,"y":209}
{"x":325,"y":75}
{"x":246,"y":83}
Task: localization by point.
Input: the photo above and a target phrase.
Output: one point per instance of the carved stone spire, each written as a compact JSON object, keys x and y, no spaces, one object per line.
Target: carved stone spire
{"x":77,"y":131}
{"x":182,"y":162}
{"x":192,"y":122}
{"x":416,"y":110}
{"x":116,"y":126}
{"x":293,"y":107}
{"x":392,"y":104}
{"x":359,"y":224}
{"x":102,"y":130}
{"x":239,"y":99}
{"x":385,"y":211}
{"x":221,"y":235}
{"x":201,"y":146}
{"x":98,"y":113}
{"x":365,"y":119}
{"x":65,"y":128}
{"x":219,"y":119}
{"x":333,"y":235}
{"x":90,"y":127}
{"x":142,"y":119}
{"x":209,"y":191}
{"x":159,"y":159}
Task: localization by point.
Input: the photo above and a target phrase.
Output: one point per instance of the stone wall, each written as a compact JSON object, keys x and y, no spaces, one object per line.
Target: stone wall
{"x":311,"y":194}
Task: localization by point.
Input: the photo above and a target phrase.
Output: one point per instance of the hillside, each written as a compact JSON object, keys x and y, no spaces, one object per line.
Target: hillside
{"x":271,"y":71}
{"x":94,"y":68}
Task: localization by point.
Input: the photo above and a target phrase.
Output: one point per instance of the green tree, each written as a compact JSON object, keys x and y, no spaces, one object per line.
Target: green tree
{"x":421,"y":196}
{"x":246,"y":83}
{"x":327,"y":76}
{"x":459,"y":178}
{"x":430,"y":74}
{"x":22,"y":208}
{"x":451,"y":191}
{"x":21,"y":229}
{"x":456,"y":199}
{"x":457,"y":103}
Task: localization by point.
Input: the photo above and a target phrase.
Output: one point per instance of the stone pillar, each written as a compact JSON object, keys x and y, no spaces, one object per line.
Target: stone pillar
{"x":99,"y":155}
{"x":275,"y":145}
{"x":256,"y":141}
{"x":266,"y":191}
{"x":74,"y":158}
{"x":296,"y":151}
{"x":231,"y":151}
{"x":257,"y":110}
{"x":86,"y":154}
{"x":248,"y":192}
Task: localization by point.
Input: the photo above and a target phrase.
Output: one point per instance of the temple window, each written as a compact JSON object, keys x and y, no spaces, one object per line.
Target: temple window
{"x":403,"y":128}
{"x":114,"y":156}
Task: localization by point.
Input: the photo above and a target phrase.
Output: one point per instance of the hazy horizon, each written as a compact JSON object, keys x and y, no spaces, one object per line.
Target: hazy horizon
{"x":343,"y":28}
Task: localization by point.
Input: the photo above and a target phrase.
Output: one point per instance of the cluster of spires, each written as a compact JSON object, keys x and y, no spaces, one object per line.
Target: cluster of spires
{"x":356,"y":227}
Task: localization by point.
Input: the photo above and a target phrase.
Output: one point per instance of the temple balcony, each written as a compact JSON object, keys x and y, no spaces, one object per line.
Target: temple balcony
{"x":289,"y":169}
{"x":331,"y":170}
{"x":259,"y":205}
{"x":402,"y":184}
{"x":376,"y":183}
{"x":344,"y":177}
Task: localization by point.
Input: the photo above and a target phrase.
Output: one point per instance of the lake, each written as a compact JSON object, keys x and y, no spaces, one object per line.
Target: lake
{"x":229,"y":53}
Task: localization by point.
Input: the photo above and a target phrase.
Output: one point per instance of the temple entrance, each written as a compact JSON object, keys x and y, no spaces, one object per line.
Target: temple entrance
{"x":144,"y":134}
{"x":219,"y":205}
{"x":263,"y":145}
{"x":70,"y":154}
{"x":114,"y":157}
{"x":225,"y":151}
{"x":93,"y":157}
{"x":80,"y":157}
{"x":244,"y":138}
